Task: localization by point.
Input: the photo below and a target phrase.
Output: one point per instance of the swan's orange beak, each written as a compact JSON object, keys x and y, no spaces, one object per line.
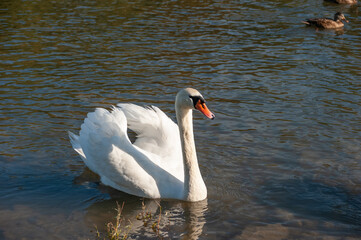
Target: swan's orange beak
{"x":202,"y":107}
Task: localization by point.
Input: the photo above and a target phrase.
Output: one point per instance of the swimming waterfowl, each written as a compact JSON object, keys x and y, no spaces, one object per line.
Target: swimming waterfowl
{"x":161,"y":163}
{"x":327,"y":23}
{"x":343,"y":1}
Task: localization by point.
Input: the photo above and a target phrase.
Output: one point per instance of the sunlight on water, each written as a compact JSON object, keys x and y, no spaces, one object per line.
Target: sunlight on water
{"x":280,"y":161}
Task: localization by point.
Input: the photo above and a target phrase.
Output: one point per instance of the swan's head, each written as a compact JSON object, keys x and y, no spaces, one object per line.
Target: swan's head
{"x":190,"y":98}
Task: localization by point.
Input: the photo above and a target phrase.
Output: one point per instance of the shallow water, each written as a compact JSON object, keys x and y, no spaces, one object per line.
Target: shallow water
{"x":280,"y":161}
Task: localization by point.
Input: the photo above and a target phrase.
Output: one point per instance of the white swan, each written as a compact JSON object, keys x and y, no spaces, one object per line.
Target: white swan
{"x":161,"y":163}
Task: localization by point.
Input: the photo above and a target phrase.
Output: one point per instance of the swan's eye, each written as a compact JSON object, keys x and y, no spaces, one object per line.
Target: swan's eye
{"x":196,"y":99}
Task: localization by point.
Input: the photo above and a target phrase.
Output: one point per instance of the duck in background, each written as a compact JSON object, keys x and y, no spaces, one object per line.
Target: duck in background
{"x":343,"y":1}
{"x":327,"y":23}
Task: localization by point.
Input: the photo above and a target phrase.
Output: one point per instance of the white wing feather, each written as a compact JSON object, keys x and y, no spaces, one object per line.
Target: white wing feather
{"x":145,"y":168}
{"x":156,"y":134}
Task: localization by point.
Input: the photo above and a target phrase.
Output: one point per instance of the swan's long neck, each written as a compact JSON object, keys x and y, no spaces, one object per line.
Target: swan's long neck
{"x":194,"y":187}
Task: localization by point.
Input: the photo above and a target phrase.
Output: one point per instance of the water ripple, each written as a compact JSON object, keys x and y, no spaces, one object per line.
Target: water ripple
{"x":287,"y":100}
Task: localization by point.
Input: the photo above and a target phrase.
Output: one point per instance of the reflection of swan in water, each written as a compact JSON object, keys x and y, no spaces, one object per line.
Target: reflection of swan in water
{"x":194,"y":219}
{"x":180,"y":220}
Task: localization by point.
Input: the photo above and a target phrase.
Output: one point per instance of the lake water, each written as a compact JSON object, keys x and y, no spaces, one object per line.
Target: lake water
{"x":282,"y":159}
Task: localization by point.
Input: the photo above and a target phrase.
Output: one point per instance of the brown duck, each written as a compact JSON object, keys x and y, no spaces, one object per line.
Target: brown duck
{"x":343,"y":1}
{"x":327,"y":22}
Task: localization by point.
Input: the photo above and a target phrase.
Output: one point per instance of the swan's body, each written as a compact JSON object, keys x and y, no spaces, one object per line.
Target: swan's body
{"x":161,"y":163}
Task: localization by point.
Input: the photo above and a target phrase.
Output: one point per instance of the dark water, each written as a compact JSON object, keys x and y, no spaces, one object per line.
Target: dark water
{"x":280,"y":161}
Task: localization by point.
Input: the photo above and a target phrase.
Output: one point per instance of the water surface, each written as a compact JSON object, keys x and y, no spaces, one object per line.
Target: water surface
{"x":280,"y":161}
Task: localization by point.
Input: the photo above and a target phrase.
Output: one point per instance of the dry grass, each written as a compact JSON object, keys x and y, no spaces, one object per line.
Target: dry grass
{"x":116,"y":231}
{"x":149,"y":219}
{"x":121,"y":228}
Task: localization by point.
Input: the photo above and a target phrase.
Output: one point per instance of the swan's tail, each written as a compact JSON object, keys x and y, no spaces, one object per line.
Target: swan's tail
{"x":74,"y":140}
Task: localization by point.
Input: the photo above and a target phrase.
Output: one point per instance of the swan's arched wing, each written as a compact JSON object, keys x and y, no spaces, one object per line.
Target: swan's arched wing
{"x":105,"y":148}
{"x":156,"y":132}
